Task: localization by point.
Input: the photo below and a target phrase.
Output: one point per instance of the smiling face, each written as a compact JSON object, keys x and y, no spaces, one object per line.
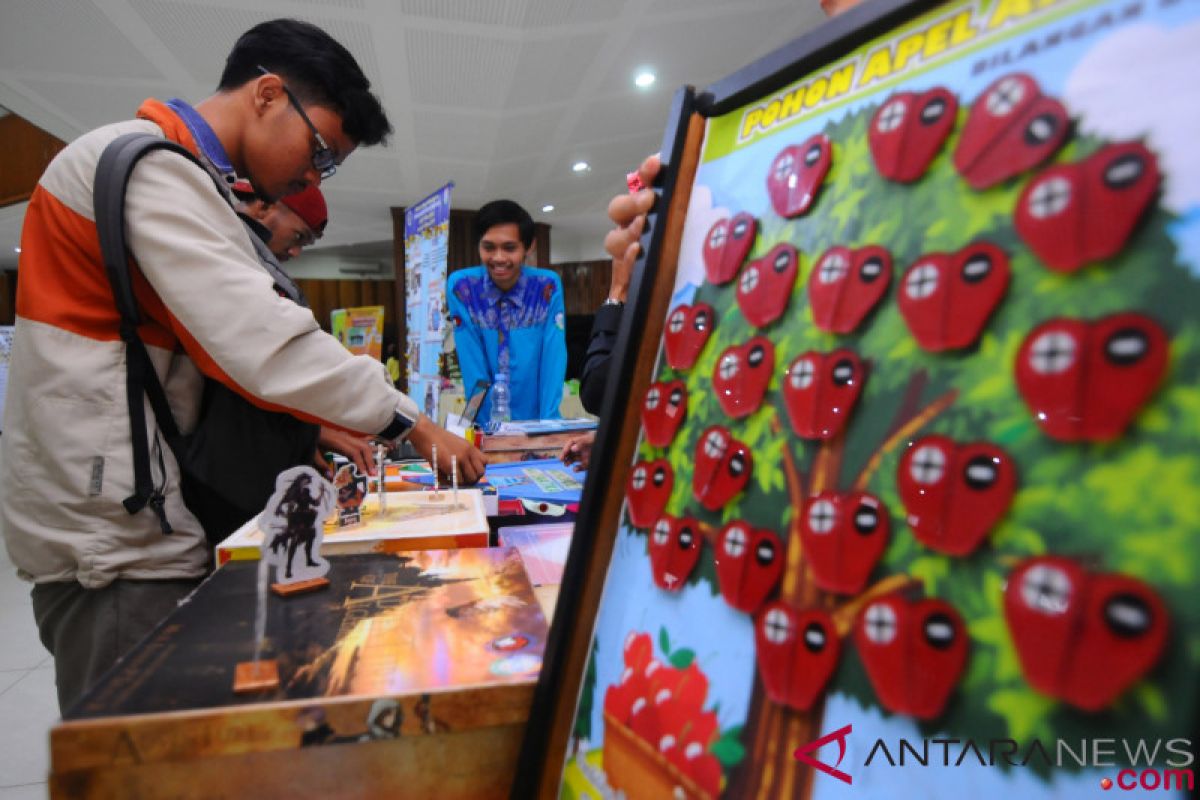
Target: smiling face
{"x":502,"y":253}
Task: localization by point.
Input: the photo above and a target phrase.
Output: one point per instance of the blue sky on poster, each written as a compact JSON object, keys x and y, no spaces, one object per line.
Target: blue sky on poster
{"x":1134,"y":79}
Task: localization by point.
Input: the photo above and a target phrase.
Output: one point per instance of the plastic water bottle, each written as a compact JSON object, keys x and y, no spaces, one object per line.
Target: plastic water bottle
{"x":501,"y":412}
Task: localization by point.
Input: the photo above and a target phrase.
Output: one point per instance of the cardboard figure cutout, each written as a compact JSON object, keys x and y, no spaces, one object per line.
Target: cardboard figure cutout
{"x":294,"y":524}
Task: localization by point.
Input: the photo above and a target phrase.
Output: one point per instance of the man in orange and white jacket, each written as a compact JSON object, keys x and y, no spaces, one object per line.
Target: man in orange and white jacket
{"x":291,"y":105}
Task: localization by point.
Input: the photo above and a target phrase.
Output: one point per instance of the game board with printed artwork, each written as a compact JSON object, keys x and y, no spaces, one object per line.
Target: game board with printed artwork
{"x":895,"y":490}
{"x":409,"y":673}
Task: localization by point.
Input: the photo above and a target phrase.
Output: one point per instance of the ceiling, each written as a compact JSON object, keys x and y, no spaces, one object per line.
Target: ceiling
{"x":499,"y":96}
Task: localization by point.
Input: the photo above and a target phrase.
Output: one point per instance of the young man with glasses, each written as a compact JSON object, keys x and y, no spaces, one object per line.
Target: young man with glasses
{"x":291,"y":105}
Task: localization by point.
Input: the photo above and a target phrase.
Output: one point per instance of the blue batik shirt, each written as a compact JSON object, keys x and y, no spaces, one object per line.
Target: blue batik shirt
{"x":518,"y":332}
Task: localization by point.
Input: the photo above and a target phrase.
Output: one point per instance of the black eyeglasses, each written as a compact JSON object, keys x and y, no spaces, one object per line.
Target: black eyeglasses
{"x":322,"y":157}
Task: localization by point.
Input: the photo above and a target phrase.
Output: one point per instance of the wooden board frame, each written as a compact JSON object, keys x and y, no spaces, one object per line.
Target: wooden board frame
{"x":540,"y":766}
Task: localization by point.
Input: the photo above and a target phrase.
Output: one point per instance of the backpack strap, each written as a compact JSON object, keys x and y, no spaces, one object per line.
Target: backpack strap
{"x":112,"y":179}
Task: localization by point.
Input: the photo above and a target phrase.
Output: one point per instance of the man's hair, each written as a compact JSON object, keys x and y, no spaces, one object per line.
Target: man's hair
{"x":317,"y":69}
{"x":503,"y":212}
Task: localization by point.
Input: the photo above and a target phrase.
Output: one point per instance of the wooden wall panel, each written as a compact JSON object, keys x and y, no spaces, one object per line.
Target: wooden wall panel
{"x":25,"y":151}
{"x":585,"y":285}
{"x":324,"y":296}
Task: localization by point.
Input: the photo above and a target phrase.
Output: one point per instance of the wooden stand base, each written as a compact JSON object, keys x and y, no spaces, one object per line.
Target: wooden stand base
{"x":255,"y":676}
{"x":300,"y":587}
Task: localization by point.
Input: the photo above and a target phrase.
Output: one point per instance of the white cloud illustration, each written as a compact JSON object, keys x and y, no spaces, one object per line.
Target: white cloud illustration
{"x":701,"y":217}
{"x":1139,"y":83}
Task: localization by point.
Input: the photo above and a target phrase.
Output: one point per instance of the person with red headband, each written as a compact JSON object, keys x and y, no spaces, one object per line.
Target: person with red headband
{"x":288,"y":225}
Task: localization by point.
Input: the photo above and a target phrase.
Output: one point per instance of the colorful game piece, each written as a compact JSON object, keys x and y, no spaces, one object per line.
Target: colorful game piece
{"x":723,"y":466}
{"x":947,"y":298}
{"x":663,"y":411}
{"x":846,"y":285}
{"x":351,"y":492}
{"x":749,"y":563}
{"x":908,"y":130}
{"x":954,"y":494}
{"x":741,"y":376}
{"x":256,"y":676}
{"x":1012,"y":127}
{"x":820,"y":391}
{"x":725,"y":248}
{"x":674,"y":546}
{"x":914,"y":652}
{"x":1086,"y":380}
{"x":1072,"y":215}
{"x":649,"y":488}
{"x":766,"y":285}
{"x":797,"y":653}
{"x":844,"y":536}
{"x":1083,"y":637}
{"x":688,"y":329}
{"x":797,"y":174}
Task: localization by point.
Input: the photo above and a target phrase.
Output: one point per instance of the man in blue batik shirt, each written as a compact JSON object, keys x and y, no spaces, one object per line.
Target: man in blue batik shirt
{"x":508,"y":318}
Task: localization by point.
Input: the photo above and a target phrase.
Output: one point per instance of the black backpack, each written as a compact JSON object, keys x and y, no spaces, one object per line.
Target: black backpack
{"x":229,"y":463}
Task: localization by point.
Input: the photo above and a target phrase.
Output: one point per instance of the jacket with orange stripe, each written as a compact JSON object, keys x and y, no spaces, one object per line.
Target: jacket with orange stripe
{"x":209,"y":306}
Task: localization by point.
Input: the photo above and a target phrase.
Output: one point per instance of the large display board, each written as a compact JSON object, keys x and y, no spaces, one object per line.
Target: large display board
{"x":912,"y":504}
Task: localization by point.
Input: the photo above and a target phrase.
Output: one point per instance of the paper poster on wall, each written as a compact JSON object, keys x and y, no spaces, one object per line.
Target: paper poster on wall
{"x":360,"y":330}
{"x":6,"y":338}
{"x":426,"y":237}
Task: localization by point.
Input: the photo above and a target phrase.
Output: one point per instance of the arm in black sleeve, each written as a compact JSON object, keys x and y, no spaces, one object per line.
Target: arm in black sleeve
{"x":599,"y":352}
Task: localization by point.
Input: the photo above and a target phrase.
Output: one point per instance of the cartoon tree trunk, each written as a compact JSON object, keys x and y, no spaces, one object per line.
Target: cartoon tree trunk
{"x":770,"y":769}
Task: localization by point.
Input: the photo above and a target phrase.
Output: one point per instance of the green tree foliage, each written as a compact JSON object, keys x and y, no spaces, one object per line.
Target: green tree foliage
{"x":1127,"y":506}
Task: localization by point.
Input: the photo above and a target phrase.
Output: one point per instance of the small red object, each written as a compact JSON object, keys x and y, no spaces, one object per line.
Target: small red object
{"x":749,"y":563}
{"x":914,"y":652}
{"x":663,"y":411}
{"x":954,"y":493}
{"x":1072,"y":215}
{"x":908,"y":130}
{"x":797,"y":174}
{"x":797,"y":653}
{"x":688,"y":329}
{"x":846,"y":285}
{"x":1012,"y":127}
{"x":1082,"y":637}
{"x":674,"y":550}
{"x":947,"y":298}
{"x":1087,"y":380}
{"x":820,"y":391}
{"x":741,"y":376}
{"x":766,"y":285}
{"x":726,"y":247}
{"x":844,"y":536}
{"x":634,"y":181}
{"x":723,"y":466}
{"x":648,"y":490}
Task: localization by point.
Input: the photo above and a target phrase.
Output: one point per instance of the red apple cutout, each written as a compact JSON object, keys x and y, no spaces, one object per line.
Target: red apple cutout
{"x":846,"y":285}
{"x":1012,"y":127}
{"x":947,"y":298}
{"x":749,"y":563}
{"x":820,"y":391}
{"x":797,"y":652}
{"x":1086,"y":381}
{"x":674,"y":549}
{"x":955,"y":493}
{"x":766,"y":285}
{"x":914,"y":653}
{"x":844,"y":536}
{"x":723,"y":466}
{"x":726,"y":247}
{"x":663,"y":411}
{"x":742,"y":374}
{"x":688,"y":329}
{"x":1082,"y":637}
{"x":1071,"y":215}
{"x":648,"y":490}
{"x":797,"y":174}
{"x":908,"y":131}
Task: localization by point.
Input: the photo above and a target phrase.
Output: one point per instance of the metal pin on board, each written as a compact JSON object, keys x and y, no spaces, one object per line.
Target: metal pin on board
{"x":435,"y":474}
{"x":454,"y":477}
{"x":379,"y":470}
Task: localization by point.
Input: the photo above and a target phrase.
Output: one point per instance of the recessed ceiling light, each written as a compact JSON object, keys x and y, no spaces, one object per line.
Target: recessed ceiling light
{"x":581,"y":166}
{"x":16,"y":249}
{"x":547,"y":208}
{"x":644,"y":79}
